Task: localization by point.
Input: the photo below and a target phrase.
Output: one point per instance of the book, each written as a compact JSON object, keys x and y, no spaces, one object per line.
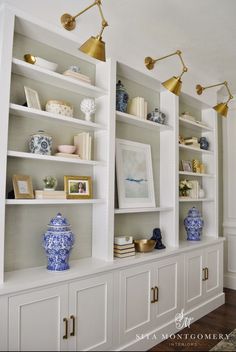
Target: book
{"x":138,"y":107}
{"x":66,"y":155}
{"x":121,"y":251}
{"x":121,"y":240}
{"x":124,"y":246}
{"x":83,"y":143}
{"x":41,"y":194}
{"x":124,"y":255}
{"x":77,"y":75}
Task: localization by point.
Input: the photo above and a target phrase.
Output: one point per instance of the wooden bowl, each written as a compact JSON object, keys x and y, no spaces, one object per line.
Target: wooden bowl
{"x":144,"y":245}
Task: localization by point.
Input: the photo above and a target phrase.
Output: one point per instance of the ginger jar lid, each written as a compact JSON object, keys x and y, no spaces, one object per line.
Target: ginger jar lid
{"x":194,"y":213}
{"x":59,"y":221}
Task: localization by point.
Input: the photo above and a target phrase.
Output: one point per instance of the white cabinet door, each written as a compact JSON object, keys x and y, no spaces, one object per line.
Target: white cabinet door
{"x":194,"y":264}
{"x":135,"y":301}
{"x":36,"y":320}
{"x":214,"y":265}
{"x":168,"y":282}
{"x":91,"y":306}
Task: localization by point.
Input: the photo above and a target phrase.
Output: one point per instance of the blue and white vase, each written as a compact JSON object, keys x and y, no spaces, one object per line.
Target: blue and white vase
{"x":40,"y":143}
{"x":193,"y":225}
{"x":122,"y":97}
{"x":58,"y":241}
{"x":157,"y":116}
{"x":204,"y":144}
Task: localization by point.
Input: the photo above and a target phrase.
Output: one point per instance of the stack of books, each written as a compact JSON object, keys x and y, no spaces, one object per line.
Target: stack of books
{"x":40,"y":194}
{"x":138,"y":107}
{"x":124,"y":250}
{"x":78,"y":76}
{"x":192,"y":141}
{"x":83,"y":143}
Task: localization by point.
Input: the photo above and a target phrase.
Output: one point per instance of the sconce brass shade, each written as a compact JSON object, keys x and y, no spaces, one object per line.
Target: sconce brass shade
{"x":94,"y":47}
{"x":222,"y":109}
{"x":174,"y":85}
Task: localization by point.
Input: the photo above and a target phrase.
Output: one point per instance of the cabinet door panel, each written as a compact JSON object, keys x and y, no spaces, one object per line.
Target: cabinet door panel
{"x":91,"y":303}
{"x":135,"y":301}
{"x":214,"y":263}
{"x":36,"y":320}
{"x":193,"y":283}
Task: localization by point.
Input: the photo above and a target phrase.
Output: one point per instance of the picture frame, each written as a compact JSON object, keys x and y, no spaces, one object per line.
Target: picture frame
{"x":23,"y":188}
{"x":187,"y":165}
{"x":78,"y":187}
{"x":32,"y":98}
{"x":134,"y":175}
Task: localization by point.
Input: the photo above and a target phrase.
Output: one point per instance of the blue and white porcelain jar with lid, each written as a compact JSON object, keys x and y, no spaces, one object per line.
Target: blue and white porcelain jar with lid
{"x":122,"y":97}
{"x":193,"y":225}
{"x":40,"y":143}
{"x":58,"y":241}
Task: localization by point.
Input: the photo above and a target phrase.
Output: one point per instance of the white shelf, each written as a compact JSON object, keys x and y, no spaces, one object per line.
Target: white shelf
{"x":22,"y":111}
{"x":142,"y":210}
{"x":134,"y":120}
{"x":197,"y":126}
{"x":198,"y":150}
{"x":55,"y":79}
{"x":186,"y":199}
{"x":195,"y":174}
{"x":53,"y":201}
{"x":24,"y":155}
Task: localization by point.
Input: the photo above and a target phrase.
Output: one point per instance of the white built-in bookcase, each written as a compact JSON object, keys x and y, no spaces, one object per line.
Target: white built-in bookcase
{"x":96,"y":221}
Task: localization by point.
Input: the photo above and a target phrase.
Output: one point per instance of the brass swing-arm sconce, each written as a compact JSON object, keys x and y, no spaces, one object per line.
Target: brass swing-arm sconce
{"x":94,"y":46}
{"x":221,"y":108}
{"x":173,"y":84}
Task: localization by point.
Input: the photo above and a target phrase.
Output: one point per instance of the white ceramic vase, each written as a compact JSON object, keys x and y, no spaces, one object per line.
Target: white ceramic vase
{"x":88,"y":107}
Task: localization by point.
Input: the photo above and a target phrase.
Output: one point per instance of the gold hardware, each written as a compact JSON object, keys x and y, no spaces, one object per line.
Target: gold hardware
{"x":153,"y":295}
{"x":221,"y":108}
{"x":94,"y":46}
{"x":157,"y":293}
{"x":65,"y":337}
{"x":207,"y":273}
{"x":173,"y":84}
{"x":31,"y":59}
{"x":72,"y":317}
{"x":204,"y":274}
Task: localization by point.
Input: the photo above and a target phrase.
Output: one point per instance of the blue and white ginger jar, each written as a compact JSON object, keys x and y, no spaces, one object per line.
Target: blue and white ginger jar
{"x":58,"y":242}
{"x":204,"y":144}
{"x":40,"y":143}
{"x":193,"y":225}
{"x":122,"y":97}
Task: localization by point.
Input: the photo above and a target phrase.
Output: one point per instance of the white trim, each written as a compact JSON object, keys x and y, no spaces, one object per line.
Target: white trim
{"x":230,"y":281}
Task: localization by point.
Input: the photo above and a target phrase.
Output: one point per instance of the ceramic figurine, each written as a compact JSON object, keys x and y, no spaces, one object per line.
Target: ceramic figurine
{"x":122,"y":97}
{"x":74,"y":68}
{"x":156,"y":236}
{"x":40,"y":143}
{"x":50,"y":183}
{"x":88,"y":107}
{"x":58,"y":241}
{"x":157,"y":116}
{"x":204,"y":144}
{"x":193,"y":225}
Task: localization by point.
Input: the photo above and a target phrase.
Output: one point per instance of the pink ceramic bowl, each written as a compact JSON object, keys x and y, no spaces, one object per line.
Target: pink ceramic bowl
{"x":68,"y":149}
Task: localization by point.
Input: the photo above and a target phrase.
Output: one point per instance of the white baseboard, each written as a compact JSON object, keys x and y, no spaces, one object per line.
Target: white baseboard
{"x":230,"y":280}
{"x":154,"y":337}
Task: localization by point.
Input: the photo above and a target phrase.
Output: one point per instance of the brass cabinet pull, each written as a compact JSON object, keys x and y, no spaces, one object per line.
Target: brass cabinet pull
{"x":73,"y":325}
{"x":157,"y":293}
{"x":65,"y":337}
{"x":153,"y":295}
{"x":204,"y":274}
{"x":207,"y":273}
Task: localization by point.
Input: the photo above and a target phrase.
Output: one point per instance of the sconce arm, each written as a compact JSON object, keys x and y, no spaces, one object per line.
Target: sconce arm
{"x":225,"y":83}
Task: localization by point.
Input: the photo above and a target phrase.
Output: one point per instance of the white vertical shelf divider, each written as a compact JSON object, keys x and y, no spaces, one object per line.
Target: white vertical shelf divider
{"x":104,"y":148}
{"x":169,"y":176}
{"x":7,"y":19}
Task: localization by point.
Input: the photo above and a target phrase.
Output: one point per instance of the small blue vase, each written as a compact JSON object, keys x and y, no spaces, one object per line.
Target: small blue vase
{"x":58,"y":241}
{"x":122,"y":97}
{"x":193,"y":225}
{"x":204,"y":144}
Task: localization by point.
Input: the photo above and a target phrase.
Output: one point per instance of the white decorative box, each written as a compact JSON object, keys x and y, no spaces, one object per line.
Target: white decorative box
{"x":121,"y":240}
{"x":59,"y":107}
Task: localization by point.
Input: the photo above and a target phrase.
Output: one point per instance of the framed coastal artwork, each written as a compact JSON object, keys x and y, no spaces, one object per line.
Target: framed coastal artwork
{"x":134,"y":174}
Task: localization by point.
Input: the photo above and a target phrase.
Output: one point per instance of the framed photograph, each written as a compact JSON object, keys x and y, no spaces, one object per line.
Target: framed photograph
{"x":134,"y":174}
{"x":187,"y":165}
{"x":32,"y":98}
{"x":22,"y":186}
{"x":78,"y":187}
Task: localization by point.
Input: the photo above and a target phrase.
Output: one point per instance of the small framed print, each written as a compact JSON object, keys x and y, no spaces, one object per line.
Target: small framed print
{"x":32,"y":98}
{"x":187,"y":165}
{"x":22,"y":186}
{"x":78,"y":187}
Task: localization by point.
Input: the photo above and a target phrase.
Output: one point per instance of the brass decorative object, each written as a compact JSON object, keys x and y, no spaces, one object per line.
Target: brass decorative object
{"x":94,"y":46}
{"x":144,"y":245}
{"x":221,"y":108}
{"x":174,"y":83}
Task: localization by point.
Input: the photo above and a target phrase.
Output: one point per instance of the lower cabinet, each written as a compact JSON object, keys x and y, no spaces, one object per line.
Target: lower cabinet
{"x":203,"y":275}
{"x":73,"y":317}
{"x":149,"y":297}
